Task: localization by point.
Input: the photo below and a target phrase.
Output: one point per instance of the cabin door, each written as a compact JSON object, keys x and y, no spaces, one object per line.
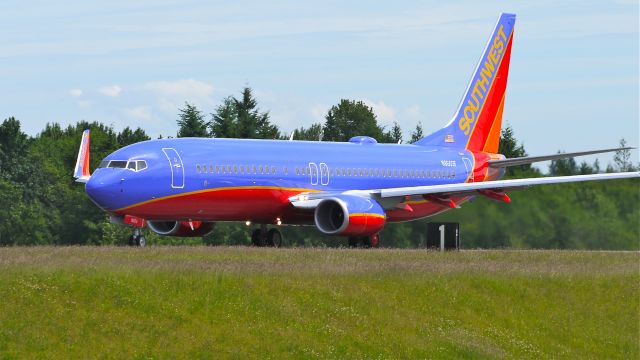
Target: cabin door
{"x":177,"y":168}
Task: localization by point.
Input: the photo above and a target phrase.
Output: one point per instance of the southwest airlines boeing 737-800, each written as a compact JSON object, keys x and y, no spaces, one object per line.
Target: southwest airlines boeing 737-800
{"x":181,"y":187}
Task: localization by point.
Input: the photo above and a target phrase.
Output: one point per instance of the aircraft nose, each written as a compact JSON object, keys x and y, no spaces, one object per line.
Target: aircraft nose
{"x":103,"y":190}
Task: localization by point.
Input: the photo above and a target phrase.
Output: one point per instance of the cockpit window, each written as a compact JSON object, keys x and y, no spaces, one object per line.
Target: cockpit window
{"x":134,"y":165}
{"x":117,"y":164}
{"x":141,"y":165}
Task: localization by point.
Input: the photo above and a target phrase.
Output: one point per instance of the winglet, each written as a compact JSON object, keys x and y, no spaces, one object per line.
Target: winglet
{"x":81,"y":172}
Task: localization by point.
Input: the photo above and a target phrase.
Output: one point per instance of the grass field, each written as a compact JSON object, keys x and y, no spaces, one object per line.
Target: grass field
{"x":213,"y":302}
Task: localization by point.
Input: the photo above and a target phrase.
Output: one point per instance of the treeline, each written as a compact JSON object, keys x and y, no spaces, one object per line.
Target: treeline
{"x":41,"y":204}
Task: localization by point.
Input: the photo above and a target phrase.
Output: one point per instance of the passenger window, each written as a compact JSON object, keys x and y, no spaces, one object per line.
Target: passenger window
{"x":273,"y":170}
{"x":217,"y":169}
{"x":229,"y":169}
{"x":198,"y":168}
{"x":235,"y":169}
{"x":211,"y":168}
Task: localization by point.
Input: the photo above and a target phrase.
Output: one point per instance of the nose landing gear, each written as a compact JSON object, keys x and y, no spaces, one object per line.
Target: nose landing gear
{"x":137,"y":239}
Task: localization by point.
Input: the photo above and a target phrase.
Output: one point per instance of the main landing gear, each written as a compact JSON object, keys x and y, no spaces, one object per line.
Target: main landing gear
{"x":137,"y":239}
{"x":371,"y":241}
{"x":262,"y":237}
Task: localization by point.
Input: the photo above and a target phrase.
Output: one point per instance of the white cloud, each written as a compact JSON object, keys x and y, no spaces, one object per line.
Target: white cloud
{"x":318,"y":113}
{"x":139,"y":113}
{"x":385,"y":113}
{"x":84,"y":104}
{"x":111,"y":91}
{"x":171,"y":95}
{"x":186,"y":88}
{"x":75,"y":92}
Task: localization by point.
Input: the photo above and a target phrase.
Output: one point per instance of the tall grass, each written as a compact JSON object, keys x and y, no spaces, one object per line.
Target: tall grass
{"x":203,"y":302}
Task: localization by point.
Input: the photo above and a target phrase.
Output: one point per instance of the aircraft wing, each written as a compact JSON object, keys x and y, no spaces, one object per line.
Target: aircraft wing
{"x":498,"y":185}
{"x":494,"y":189}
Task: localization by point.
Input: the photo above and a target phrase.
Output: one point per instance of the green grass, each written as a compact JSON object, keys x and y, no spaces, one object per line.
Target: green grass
{"x":203,"y":302}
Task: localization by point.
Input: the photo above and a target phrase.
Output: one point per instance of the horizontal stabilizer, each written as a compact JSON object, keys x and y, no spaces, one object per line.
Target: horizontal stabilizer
{"x":532,"y":159}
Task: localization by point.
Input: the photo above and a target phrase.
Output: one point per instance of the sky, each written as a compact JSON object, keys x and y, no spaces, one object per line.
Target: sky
{"x":573,"y":82}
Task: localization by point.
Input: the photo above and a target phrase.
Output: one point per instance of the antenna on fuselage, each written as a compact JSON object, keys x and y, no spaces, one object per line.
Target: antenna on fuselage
{"x":291,"y":137}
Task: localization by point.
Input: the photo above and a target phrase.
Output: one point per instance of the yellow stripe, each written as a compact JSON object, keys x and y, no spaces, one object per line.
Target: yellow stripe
{"x":490,"y":87}
{"x":215,"y":190}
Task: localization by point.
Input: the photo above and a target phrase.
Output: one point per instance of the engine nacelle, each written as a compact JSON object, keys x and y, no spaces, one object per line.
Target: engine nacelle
{"x":180,"y":228}
{"x":349,"y":215}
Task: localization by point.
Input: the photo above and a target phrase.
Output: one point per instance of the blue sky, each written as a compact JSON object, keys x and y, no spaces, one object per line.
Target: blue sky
{"x":573,"y":83}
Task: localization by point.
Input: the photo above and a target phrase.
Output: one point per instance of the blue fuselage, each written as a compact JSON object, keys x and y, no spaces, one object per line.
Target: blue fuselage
{"x":238,"y":180}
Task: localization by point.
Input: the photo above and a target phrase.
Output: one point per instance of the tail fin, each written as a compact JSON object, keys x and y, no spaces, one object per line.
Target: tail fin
{"x":81,"y":171}
{"x":477,"y":122}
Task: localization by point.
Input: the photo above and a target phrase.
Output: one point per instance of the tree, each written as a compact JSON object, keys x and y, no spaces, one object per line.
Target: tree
{"x":351,"y":118}
{"x":241,"y":118}
{"x":395,"y":135}
{"x":128,"y":136}
{"x":313,"y":133}
{"x":13,"y":142}
{"x":417,"y":134}
{"x":563,"y":167}
{"x":510,"y":148}
{"x":191,"y":122}
{"x":622,"y":157}
{"x":224,"y":120}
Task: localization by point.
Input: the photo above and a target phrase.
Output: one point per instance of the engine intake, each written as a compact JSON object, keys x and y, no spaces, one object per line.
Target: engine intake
{"x":349,"y":215}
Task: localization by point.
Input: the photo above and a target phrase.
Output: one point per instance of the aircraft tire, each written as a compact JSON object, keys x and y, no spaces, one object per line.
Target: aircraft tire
{"x":274,"y":238}
{"x":132,"y":240}
{"x":353,"y":241}
{"x":256,"y":237}
{"x":141,"y":241}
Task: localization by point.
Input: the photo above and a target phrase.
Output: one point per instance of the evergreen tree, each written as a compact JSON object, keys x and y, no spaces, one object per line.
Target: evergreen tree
{"x":128,"y":136}
{"x":417,"y":134}
{"x":510,"y":148}
{"x":191,"y":122}
{"x":395,"y":135}
{"x":563,"y":167}
{"x":225,"y":119}
{"x":241,"y":118}
{"x":622,"y":157}
{"x":351,"y":118}
{"x":313,"y":133}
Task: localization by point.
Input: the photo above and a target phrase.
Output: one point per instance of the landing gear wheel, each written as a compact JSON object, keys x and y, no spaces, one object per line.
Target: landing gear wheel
{"x":141,"y":241}
{"x":353,"y":241}
{"x":132,"y":240}
{"x":256,"y":237}
{"x":274,"y":238}
{"x":374,"y":240}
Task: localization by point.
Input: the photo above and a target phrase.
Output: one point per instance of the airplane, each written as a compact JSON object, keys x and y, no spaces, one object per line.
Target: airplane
{"x":183,"y":186}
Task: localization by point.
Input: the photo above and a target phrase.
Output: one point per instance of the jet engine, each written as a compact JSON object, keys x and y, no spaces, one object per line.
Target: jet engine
{"x":349,"y":215}
{"x":180,"y":228}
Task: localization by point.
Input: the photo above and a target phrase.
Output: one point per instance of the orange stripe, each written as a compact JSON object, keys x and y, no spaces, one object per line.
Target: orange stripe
{"x":493,"y":140}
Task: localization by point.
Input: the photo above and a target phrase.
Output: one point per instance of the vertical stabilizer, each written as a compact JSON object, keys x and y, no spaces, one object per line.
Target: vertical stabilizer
{"x":81,"y":171}
{"x":477,"y":122}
